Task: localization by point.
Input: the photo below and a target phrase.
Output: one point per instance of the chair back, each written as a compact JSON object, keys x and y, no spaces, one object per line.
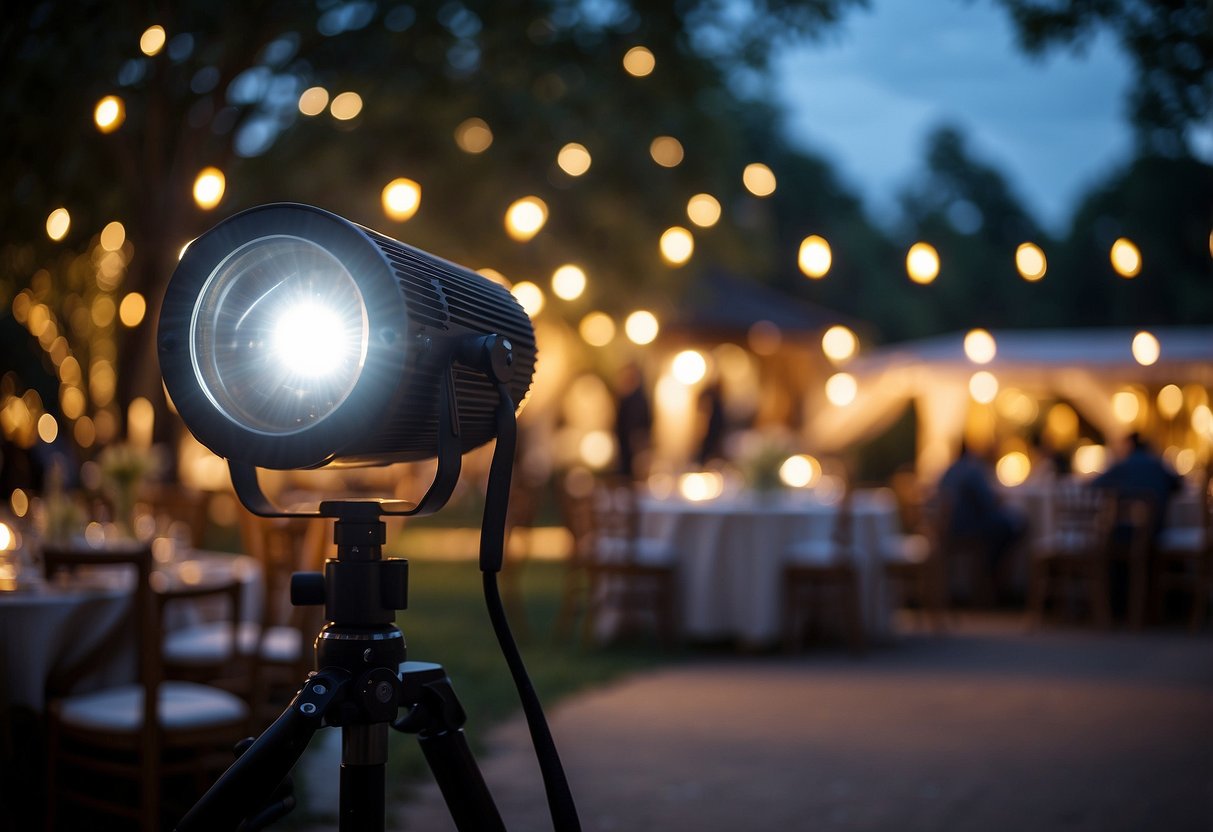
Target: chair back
{"x":170,"y":503}
{"x":1080,"y":516}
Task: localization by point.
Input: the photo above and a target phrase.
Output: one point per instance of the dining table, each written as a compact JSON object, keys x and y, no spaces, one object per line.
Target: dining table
{"x":731,"y":552}
{"x":49,"y":628}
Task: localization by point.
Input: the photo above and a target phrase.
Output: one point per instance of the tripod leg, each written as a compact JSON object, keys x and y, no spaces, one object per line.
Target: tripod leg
{"x":437,"y":719}
{"x":363,"y":759}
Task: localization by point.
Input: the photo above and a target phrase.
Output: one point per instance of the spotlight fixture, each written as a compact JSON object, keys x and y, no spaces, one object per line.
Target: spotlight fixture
{"x":292,"y":338}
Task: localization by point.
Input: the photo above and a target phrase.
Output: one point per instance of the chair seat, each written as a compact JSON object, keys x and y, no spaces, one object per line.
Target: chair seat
{"x":641,"y":552}
{"x":209,"y":643}
{"x":182,"y":706}
{"x":908,"y":549}
{"x":813,"y":553}
{"x":1181,"y":540}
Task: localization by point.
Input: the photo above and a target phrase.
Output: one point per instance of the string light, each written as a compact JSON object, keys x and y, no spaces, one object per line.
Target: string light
{"x":132,"y":309}
{"x":525,"y":217}
{"x":1146,"y":349}
{"x":979,"y":346}
{"x":57,"y":224}
{"x":677,"y":245}
{"x":113,"y":236}
{"x":639,"y":61}
{"x":574,"y":159}
{"x":109,"y":113}
{"x":641,"y":327}
{"x":346,"y":106}
{"x":839,"y":344}
{"x":815,"y":257}
{"x":568,"y":282}
{"x":983,"y":387}
{"x":209,"y":187}
{"x":529,"y":296}
{"x":922,"y":263}
{"x":758,"y":179}
{"x":703,"y":210}
{"x":401,"y":198}
{"x":1126,"y":258}
{"x":1030,"y":261}
{"x":666,"y":151}
{"x":152,"y":40}
{"x":473,"y":135}
{"x":313,"y":101}
{"x":689,"y":367}
{"x":597,"y":329}
{"x":841,"y":389}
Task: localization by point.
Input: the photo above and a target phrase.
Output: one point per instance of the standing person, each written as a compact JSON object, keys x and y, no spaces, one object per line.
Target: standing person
{"x":711,"y":407}
{"x":633,"y":421}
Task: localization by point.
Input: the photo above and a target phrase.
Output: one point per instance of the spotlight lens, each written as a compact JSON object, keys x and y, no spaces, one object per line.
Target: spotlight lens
{"x":279,"y":335}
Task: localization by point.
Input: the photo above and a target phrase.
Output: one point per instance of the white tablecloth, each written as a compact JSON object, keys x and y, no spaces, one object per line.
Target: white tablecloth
{"x":732,"y":552}
{"x":47,"y":629}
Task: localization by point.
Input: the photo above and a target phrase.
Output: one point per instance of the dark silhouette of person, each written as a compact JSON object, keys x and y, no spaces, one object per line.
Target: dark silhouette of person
{"x":1142,"y":474}
{"x":973,"y":511}
{"x":711,"y":401}
{"x":633,"y":420}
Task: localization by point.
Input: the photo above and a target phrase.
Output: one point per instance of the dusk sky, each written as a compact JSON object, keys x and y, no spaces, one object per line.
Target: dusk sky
{"x":866,"y":97}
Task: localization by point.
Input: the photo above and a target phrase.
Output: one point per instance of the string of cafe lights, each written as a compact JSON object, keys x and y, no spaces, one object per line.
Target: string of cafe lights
{"x":523,"y":220}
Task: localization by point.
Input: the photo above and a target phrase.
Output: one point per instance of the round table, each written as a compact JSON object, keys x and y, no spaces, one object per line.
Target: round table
{"x":732,"y":551}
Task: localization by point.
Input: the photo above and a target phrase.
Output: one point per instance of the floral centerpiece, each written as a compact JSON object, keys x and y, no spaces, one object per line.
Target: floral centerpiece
{"x":124,"y":469}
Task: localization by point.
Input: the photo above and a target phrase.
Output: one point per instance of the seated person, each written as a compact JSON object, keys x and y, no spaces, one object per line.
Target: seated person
{"x":975,"y":512}
{"x":1141,"y":473}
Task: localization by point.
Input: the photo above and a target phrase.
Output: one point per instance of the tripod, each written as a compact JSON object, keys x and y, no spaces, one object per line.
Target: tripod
{"x":363,"y":681}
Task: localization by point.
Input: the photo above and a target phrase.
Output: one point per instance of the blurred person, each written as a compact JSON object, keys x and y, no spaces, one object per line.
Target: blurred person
{"x":1142,"y":473}
{"x":711,"y":411}
{"x":633,"y":421}
{"x":974,"y":511}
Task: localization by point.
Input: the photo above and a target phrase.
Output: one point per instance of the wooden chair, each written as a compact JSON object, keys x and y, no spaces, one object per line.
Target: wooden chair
{"x":169,"y":503}
{"x":914,"y":565}
{"x":613,"y":569}
{"x":146,"y":732}
{"x":1183,"y":561}
{"x":281,"y":644}
{"x":818,"y":572}
{"x":1091,"y":529}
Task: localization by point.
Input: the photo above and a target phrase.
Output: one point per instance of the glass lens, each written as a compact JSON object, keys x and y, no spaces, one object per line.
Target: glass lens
{"x":279,"y":335}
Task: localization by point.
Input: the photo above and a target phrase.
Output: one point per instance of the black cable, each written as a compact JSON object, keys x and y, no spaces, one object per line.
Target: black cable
{"x":492,"y":552}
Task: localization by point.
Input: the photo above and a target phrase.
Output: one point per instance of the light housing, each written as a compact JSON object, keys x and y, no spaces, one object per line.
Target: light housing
{"x":290,"y":337}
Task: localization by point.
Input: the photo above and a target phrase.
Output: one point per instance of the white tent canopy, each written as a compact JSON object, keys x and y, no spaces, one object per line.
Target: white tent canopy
{"x":1085,"y":367}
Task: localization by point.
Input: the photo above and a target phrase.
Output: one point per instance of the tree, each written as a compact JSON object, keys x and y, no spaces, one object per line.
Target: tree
{"x":1169,"y":43}
{"x":219,"y":85}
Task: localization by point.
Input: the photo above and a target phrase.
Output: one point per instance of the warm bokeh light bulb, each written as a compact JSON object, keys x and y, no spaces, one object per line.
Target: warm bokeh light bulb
{"x":132,"y":309}
{"x":596,"y":448}
{"x":677,"y":245}
{"x":841,"y":389}
{"x":1126,"y":258}
{"x":1030,"y":261}
{"x":639,"y":61}
{"x":48,"y":428}
{"x":641,"y":327}
{"x":699,"y":486}
{"x":799,"y":471}
{"x":703,"y":210}
{"x":346,"y":106}
{"x":922,"y":263}
{"x":529,"y":296}
{"x":1126,"y":406}
{"x":109,"y":113}
{"x":152,"y":40}
{"x":113,"y":236}
{"x":1013,"y":469}
{"x":1090,"y":459}
{"x":525,"y":217}
{"x":313,"y":101}
{"x":1146,"y":349}
{"x":1170,"y":401}
{"x":983,"y":387}
{"x":57,"y":224}
{"x":979,"y":346}
{"x":401,"y":198}
{"x":666,"y":151}
{"x":689,"y":367}
{"x":597,"y":329}
{"x":473,"y":135}
{"x":758,"y":179}
{"x":208,"y":188}
{"x":574,"y":159}
{"x":568,"y":282}
{"x":839,"y":343}
{"x":815,"y":256}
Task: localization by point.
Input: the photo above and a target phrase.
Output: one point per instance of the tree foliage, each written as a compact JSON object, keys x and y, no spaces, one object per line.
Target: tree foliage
{"x":1169,"y":42}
